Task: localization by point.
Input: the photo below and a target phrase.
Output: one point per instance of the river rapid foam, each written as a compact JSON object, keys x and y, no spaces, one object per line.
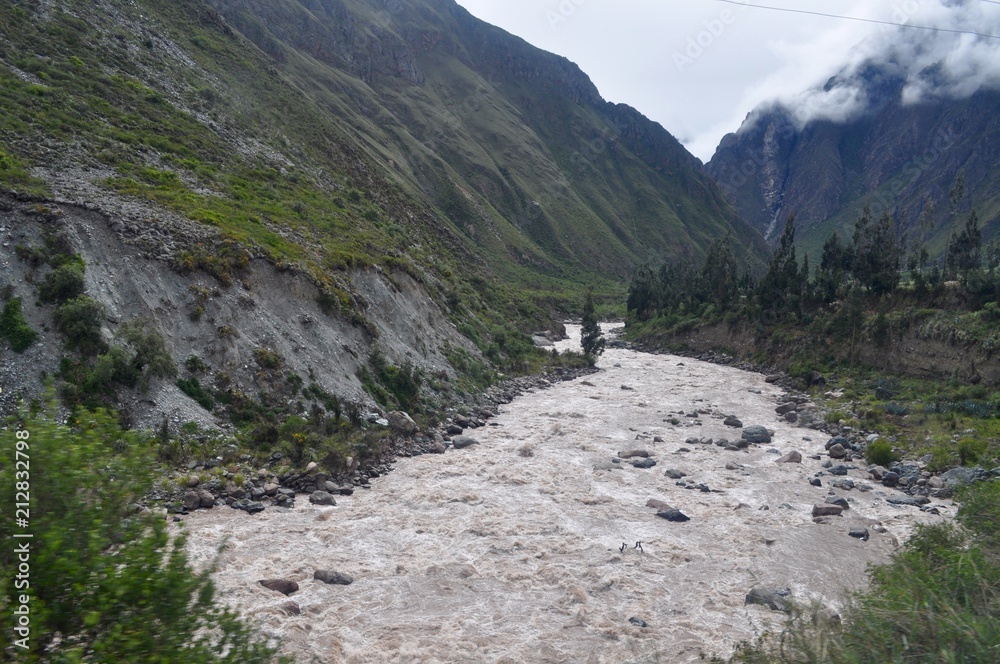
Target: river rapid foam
{"x":509,"y":551}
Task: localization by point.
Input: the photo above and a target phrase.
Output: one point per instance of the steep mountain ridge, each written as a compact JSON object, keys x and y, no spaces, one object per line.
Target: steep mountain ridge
{"x":525,"y":146}
{"x":897,"y":156}
{"x":340,"y":141}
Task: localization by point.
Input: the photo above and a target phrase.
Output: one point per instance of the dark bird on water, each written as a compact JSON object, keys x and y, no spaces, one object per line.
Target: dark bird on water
{"x":622,"y":549}
{"x":638,"y":545}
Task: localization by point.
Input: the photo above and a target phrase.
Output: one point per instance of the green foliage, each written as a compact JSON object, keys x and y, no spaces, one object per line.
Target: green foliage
{"x":390,"y":385}
{"x":880,"y":453}
{"x":980,"y":512}
{"x":195,"y":364}
{"x":780,"y":290}
{"x":79,"y":320}
{"x":964,"y":249}
{"x":267,"y":358}
{"x":108,"y":583}
{"x":139,"y":356}
{"x":876,"y":253}
{"x":14,"y":328}
{"x":970,"y":451}
{"x":63,"y":284}
{"x":150,"y":356}
{"x":192,"y":387}
{"x":591,"y":338}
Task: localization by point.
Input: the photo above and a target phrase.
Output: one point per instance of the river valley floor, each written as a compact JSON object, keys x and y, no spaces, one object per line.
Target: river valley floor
{"x":510,"y":550}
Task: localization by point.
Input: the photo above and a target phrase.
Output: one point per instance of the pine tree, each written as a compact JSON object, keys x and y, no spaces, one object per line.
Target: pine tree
{"x":876,"y":252}
{"x":779,"y":289}
{"x":591,"y":337}
{"x":965,"y":249}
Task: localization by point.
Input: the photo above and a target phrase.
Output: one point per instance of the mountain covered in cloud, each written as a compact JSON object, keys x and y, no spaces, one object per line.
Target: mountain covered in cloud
{"x":894,"y":128}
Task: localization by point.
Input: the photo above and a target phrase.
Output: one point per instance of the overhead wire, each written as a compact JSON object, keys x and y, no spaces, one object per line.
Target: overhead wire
{"x":865,"y":20}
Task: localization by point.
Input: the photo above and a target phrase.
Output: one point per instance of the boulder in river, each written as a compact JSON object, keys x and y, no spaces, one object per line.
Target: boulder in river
{"x":283,"y":586}
{"x":839,"y":501}
{"x":674,"y":515}
{"x":827,"y":510}
{"x":628,"y":454}
{"x":791,"y":457}
{"x":644,"y":463}
{"x":756,"y":434}
{"x":956,"y":477}
{"x":658,"y":505}
{"x":911,"y":501}
{"x":192,"y":500}
{"x":332,"y":577}
{"x":837,"y":451}
{"x":859,"y":533}
{"x":249,"y":506}
{"x":459,"y":442}
{"x":733,"y":421}
{"x":772,"y":599}
{"x":322,"y":498}
{"x":674,"y":474}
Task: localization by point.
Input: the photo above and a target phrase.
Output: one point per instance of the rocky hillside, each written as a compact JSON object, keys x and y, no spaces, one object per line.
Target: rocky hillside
{"x":899,"y":156}
{"x":319,"y":180}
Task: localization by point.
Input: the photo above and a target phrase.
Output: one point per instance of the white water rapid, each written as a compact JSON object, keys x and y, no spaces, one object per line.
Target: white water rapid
{"x":508,"y":551}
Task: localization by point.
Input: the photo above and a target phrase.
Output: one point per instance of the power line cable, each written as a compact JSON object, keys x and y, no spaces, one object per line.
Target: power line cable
{"x":865,"y":20}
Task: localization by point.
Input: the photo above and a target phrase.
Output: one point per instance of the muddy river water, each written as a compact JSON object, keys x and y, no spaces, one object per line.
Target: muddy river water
{"x":510,"y":550}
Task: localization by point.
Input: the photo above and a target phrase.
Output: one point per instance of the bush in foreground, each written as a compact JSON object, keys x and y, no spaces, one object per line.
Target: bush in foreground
{"x":106,"y":583}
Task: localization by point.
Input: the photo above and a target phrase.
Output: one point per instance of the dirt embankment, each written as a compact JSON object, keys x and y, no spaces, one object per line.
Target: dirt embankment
{"x":907,"y":354}
{"x":267,"y":312}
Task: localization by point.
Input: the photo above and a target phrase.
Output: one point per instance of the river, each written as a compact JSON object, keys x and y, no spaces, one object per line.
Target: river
{"x":510,"y":551}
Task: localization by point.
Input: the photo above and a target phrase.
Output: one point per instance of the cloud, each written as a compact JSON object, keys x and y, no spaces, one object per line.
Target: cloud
{"x":924,"y":64}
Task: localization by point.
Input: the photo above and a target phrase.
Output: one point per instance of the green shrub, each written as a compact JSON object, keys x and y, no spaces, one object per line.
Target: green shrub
{"x":150,"y":356}
{"x":108,"y":584}
{"x":267,"y":358}
{"x":192,"y":387}
{"x":79,"y":320}
{"x":63,"y":283}
{"x":879,"y":453}
{"x":970,"y":451}
{"x":195,"y":364}
{"x":14,"y":328}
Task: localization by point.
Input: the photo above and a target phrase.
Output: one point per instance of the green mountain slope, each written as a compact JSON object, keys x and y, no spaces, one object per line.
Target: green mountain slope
{"x":332,"y":134}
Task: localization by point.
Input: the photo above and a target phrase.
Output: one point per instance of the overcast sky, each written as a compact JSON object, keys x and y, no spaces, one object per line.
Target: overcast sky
{"x":699,"y":66}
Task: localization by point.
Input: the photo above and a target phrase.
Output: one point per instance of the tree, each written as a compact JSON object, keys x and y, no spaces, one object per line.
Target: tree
{"x":965,"y":249}
{"x":876,"y":252}
{"x":642,"y":293}
{"x":107,"y":583}
{"x":779,"y":290}
{"x":719,"y":272}
{"x":833,"y":267}
{"x":591,"y":337}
